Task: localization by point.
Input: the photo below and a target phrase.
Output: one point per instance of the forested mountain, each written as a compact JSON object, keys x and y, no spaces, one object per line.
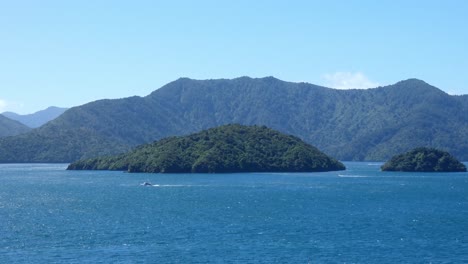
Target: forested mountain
{"x":228,"y":148}
{"x":10,"y":127}
{"x":372,"y":124}
{"x":38,"y":118}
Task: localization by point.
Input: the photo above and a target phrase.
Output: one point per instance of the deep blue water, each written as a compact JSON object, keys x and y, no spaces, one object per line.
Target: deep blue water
{"x":362,"y":215}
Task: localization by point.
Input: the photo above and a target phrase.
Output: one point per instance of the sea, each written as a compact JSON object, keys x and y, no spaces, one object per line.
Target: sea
{"x":361,"y":215}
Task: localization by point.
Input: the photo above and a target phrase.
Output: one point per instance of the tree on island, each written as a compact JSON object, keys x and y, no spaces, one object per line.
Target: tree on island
{"x":228,"y":148}
{"x":424,"y":160}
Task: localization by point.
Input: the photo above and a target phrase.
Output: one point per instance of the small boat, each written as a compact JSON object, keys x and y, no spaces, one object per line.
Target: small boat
{"x":146,"y":184}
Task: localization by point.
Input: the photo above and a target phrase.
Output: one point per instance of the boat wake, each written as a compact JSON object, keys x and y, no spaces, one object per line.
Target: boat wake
{"x":352,"y":176}
{"x":170,"y":185}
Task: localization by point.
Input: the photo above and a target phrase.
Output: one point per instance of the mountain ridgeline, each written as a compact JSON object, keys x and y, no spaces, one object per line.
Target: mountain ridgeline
{"x":38,"y":118}
{"x":372,"y":124}
{"x":225,"y":149}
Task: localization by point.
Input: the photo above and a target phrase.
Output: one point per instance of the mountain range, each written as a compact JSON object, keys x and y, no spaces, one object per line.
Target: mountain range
{"x":38,"y":118}
{"x":372,"y":124}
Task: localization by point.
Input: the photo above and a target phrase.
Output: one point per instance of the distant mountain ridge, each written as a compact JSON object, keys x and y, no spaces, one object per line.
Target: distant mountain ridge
{"x":38,"y":118}
{"x":372,"y":124}
{"x":10,"y":127}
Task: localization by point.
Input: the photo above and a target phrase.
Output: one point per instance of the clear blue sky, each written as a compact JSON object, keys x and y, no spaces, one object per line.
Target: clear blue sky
{"x":67,"y":53}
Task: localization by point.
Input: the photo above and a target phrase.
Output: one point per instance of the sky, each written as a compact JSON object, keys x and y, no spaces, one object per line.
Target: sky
{"x":67,"y":53}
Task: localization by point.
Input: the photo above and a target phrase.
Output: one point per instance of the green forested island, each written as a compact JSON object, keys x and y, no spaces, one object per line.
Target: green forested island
{"x":225,"y":149}
{"x":424,"y":160}
{"x":358,"y":125}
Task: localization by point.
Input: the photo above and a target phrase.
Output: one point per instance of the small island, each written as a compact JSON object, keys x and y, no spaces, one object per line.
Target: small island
{"x":424,"y":160}
{"x":225,"y":149}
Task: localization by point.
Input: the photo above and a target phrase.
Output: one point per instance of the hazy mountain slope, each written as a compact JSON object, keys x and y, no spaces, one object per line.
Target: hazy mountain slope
{"x":10,"y":127}
{"x":463,"y":100}
{"x":55,"y":144}
{"x":372,"y":124}
{"x":37,"y":119}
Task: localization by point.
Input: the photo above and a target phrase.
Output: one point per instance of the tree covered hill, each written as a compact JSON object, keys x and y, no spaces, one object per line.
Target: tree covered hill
{"x":424,"y":160}
{"x":10,"y":127}
{"x":229,"y":148}
{"x":371,"y":124}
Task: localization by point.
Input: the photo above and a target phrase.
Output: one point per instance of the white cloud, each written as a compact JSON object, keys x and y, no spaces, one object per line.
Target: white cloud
{"x":3,"y":105}
{"x":348,"y":80}
{"x":10,"y":106}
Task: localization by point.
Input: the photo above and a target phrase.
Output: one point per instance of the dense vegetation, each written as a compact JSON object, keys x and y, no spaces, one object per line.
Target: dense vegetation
{"x":38,"y":118}
{"x":229,"y":148}
{"x":424,"y":160}
{"x":10,"y":127}
{"x":372,"y":124}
